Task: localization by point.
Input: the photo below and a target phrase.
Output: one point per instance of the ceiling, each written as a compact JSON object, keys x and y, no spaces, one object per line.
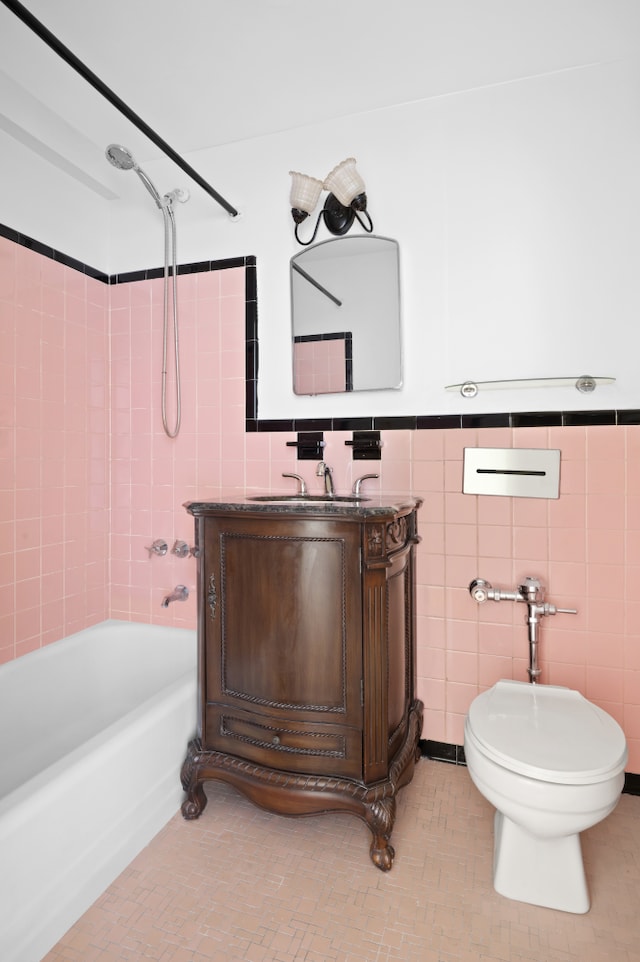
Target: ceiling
{"x":203,"y":73}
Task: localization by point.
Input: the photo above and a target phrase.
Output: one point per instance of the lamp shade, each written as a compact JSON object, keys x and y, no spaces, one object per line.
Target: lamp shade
{"x":305,"y":192}
{"x":344,"y":182}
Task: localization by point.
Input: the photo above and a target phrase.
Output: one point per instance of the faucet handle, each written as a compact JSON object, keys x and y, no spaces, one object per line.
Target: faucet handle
{"x":358,"y":483}
{"x":552,"y":610}
{"x":303,"y":483}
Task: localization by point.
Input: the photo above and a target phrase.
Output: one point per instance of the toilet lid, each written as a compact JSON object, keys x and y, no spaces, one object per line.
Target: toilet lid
{"x":547,"y":732}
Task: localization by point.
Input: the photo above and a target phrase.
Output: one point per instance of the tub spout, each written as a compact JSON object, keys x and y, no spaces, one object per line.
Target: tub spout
{"x":179,"y":593}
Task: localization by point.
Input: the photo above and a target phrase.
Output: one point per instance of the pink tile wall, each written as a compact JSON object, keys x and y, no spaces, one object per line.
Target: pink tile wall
{"x":53,"y":450}
{"x":54,"y":495}
{"x":585,"y":547}
{"x":153,"y":475}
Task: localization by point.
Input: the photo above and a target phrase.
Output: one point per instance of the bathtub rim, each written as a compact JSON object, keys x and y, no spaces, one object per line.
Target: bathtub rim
{"x":14,"y":805}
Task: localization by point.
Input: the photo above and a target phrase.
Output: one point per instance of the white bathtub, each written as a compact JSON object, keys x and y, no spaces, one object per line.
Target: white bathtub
{"x":93,"y":732}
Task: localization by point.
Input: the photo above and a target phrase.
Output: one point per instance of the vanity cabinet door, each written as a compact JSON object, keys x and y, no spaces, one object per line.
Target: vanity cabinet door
{"x":283,"y":643}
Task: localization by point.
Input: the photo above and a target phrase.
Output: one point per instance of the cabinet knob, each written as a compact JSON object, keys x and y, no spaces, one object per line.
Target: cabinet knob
{"x":276,"y":739}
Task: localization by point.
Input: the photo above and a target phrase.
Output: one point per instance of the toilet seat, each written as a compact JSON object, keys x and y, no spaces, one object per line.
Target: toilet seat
{"x":546,"y":732}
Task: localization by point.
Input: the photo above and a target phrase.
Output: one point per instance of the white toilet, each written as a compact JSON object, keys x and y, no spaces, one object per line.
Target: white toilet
{"x":552,"y":764}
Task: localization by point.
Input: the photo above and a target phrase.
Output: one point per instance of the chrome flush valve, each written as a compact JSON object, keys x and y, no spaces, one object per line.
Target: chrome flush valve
{"x":530,"y":593}
{"x":481,"y":590}
{"x":531,"y":590}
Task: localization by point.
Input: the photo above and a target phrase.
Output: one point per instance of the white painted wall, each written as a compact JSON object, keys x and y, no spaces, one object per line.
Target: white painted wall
{"x":516,"y":206}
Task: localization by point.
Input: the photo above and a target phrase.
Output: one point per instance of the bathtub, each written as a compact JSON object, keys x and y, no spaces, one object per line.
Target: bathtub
{"x":93,"y":731}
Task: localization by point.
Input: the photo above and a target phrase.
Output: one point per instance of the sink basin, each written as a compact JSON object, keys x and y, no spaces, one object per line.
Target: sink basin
{"x":309,"y":498}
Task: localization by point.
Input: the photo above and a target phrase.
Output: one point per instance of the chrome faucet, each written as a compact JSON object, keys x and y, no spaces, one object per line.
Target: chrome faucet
{"x":324,"y":471}
{"x":179,"y":593}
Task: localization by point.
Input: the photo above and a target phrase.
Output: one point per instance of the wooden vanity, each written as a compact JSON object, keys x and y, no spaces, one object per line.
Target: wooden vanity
{"x":306,"y":657}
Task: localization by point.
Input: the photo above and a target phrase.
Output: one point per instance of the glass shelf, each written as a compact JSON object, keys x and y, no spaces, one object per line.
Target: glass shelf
{"x":584,"y":383}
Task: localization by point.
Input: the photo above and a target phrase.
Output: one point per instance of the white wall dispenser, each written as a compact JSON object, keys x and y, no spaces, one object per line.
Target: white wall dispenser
{"x":512,"y":472}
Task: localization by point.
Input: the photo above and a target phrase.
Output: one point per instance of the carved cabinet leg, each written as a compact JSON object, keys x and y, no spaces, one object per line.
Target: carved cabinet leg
{"x":195,"y":802}
{"x":380,"y":817}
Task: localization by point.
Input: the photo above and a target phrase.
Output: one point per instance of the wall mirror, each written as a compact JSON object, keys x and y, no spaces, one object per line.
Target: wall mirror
{"x":345,"y":309}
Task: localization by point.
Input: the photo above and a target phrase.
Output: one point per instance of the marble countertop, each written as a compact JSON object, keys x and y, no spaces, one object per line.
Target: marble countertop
{"x":367,"y":506}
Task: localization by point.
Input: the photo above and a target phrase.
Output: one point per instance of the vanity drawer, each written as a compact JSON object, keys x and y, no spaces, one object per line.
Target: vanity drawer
{"x":286,"y":745}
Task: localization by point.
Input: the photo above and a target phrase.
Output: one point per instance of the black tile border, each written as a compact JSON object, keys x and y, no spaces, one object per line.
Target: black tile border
{"x":630,"y":416}
{"x":197,"y":267}
{"x":451,"y":422}
{"x":25,"y":241}
{"x":486,"y":421}
{"x":442,"y":752}
{"x":440,"y":422}
{"x":631,"y":784}
{"x":151,"y":273}
{"x":454,"y":755}
{"x":419,"y":422}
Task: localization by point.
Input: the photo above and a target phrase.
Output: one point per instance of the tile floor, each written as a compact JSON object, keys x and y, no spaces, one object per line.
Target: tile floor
{"x":241,"y":884}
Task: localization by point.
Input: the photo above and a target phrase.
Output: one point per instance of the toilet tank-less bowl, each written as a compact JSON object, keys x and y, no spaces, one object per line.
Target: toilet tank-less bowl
{"x":552,"y":764}
{"x":546,"y":809}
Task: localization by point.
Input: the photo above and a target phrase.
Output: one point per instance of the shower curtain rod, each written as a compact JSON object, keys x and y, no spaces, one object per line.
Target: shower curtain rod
{"x":65,"y":54}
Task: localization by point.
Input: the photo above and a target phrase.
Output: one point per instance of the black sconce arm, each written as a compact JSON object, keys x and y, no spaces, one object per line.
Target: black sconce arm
{"x":338,"y":219}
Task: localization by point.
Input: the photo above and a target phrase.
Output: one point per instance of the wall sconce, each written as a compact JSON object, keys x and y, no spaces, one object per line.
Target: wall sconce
{"x":346,"y":200}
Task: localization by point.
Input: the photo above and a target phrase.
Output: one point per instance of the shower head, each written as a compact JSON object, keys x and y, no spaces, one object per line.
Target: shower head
{"x":120,"y":157}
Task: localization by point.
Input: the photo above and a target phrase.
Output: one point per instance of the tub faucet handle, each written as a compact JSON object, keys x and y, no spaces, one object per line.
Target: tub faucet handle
{"x":181,"y":549}
{"x":158,"y":547}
